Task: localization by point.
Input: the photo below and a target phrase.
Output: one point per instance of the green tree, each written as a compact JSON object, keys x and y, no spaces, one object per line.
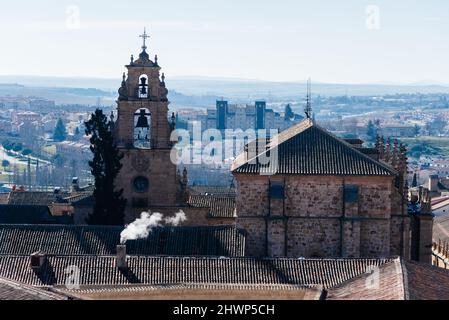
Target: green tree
{"x":17,"y":147}
{"x":27,"y":152}
{"x":416,"y":130}
{"x":7,"y":145}
{"x":58,"y":161}
{"x":371,"y":131}
{"x":60,"y":133}
{"x":109,"y":203}
{"x":414,"y":181}
{"x":5,"y":164}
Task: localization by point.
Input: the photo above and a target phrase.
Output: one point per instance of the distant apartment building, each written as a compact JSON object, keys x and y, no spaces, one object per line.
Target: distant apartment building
{"x":38,"y":104}
{"x":5,"y":126}
{"x":250,"y":116}
{"x":74,"y":150}
{"x":25,"y":121}
{"x":26,"y":116}
{"x":397,"y":130}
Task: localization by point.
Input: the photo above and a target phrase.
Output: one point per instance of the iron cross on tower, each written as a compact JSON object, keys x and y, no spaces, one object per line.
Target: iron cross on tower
{"x":145,"y":37}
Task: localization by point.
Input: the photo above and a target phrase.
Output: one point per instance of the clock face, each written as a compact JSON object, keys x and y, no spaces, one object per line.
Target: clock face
{"x":141,"y":184}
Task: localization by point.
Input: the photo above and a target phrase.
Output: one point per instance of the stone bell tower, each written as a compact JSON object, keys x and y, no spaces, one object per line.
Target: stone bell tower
{"x":142,"y":132}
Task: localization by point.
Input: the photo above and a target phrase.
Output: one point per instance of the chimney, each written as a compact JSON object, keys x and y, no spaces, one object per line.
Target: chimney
{"x":433,"y":183}
{"x":75,"y":184}
{"x":38,"y":260}
{"x":120,"y":258}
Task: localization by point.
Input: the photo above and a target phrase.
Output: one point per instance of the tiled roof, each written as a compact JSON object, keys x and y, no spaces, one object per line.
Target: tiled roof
{"x":212,"y":190}
{"x":396,"y":280}
{"x":209,"y":291}
{"x":441,"y":228}
{"x":426,"y":282}
{"x":11,"y":290}
{"x":384,"y":283}
{"x":81,"y":199}
{"x":308,"y":149}
{"x":35,"y":198}
{"x":219,"y":206}
{"x":30,"y":214}
{"x":102,"y":240}
{"x":101,"y":270}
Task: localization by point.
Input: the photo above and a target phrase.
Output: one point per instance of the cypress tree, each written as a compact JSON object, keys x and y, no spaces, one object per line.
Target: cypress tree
{"x":109,"y":203}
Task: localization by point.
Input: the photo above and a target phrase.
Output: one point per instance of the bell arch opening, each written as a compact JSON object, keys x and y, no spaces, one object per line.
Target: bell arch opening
{"x":143,"y":90}
{"x":142,"y":129}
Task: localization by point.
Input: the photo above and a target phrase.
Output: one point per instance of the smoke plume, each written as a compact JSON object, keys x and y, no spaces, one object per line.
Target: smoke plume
{"x":141,"y":227}
{"x":177,"y":219}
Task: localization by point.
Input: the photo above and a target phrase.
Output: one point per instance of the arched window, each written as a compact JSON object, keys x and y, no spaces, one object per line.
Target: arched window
{"x":142,"y":129}
{"x":143,"y":91}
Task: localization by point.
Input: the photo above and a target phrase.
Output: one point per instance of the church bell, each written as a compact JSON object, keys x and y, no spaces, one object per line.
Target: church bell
{"x":142,"y":121}
{"x":143,"y":86}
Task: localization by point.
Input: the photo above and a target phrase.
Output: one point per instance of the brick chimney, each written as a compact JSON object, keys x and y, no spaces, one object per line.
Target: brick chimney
{"x":120,"y":258}
{"x":38,"y":260}
{"x":433,"y":182}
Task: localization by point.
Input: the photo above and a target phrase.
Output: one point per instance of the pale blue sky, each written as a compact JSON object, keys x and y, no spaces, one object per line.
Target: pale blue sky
{"x":268,"y":40}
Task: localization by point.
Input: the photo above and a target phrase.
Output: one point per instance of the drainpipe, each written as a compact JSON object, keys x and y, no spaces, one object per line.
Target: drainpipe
{"x":285,"y":220}
{"x":343,"y":215}
{"x":266,"y":218}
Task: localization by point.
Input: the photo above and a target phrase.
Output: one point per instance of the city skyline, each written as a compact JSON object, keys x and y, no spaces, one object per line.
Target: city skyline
{"x":355,"y":42}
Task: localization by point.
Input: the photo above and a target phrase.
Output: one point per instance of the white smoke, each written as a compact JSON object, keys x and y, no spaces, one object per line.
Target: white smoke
{"x":141,"y":227}
{"x":177,"y":219}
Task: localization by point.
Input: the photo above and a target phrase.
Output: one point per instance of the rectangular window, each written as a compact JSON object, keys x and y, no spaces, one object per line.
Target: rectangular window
{"x":351,"y":193}
{"x":277,"y":190}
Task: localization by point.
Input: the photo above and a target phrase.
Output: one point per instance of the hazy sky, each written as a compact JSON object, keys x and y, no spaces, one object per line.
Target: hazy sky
{"x":346,"y":41}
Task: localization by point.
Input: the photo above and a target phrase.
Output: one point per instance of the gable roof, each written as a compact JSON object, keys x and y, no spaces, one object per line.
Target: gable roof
{"x":37,"y":198}
{"x":308,"y":149}
{"x":11,"y":290}
{"x":102,"y":240}
{"x":101,"y":270}
{"x":219,"y":206}
{"x":30,"y":214}
{"x":212,"y":190}
{"x":396,"y":280}
{"x":440,"y":229}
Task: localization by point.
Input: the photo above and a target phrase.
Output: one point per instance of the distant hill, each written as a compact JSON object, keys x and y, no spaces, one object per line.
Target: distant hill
{"x":196,"y":91}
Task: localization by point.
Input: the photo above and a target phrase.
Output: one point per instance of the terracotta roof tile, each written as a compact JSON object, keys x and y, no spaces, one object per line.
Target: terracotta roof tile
{"x":101,"y":270}
{"x":308,"y":149}
{"x":219,"y":206}
{"x":102,"y":240}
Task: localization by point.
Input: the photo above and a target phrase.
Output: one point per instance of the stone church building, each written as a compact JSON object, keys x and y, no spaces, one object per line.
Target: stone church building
{"x":320,"y":196}
{"x":142,"y":131}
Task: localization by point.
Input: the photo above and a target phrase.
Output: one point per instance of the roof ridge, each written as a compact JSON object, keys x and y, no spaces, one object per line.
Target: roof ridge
{"x":404,"y":279}
{"x":365,"y":274}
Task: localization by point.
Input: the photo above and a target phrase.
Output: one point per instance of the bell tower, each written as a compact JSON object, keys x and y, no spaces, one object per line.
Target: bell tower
{"x":142,"y":133}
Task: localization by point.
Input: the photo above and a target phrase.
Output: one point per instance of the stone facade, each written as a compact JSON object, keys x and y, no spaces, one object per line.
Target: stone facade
{"x":314,"y":220}
{"x":148,"y":177}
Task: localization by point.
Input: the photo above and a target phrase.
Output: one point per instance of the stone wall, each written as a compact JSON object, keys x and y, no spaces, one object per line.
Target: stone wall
{"x":155,"y":165}
{"x":315,"y":220}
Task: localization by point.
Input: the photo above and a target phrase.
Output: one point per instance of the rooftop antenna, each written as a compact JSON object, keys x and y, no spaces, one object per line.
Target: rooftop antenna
{"x":308,"y":108}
